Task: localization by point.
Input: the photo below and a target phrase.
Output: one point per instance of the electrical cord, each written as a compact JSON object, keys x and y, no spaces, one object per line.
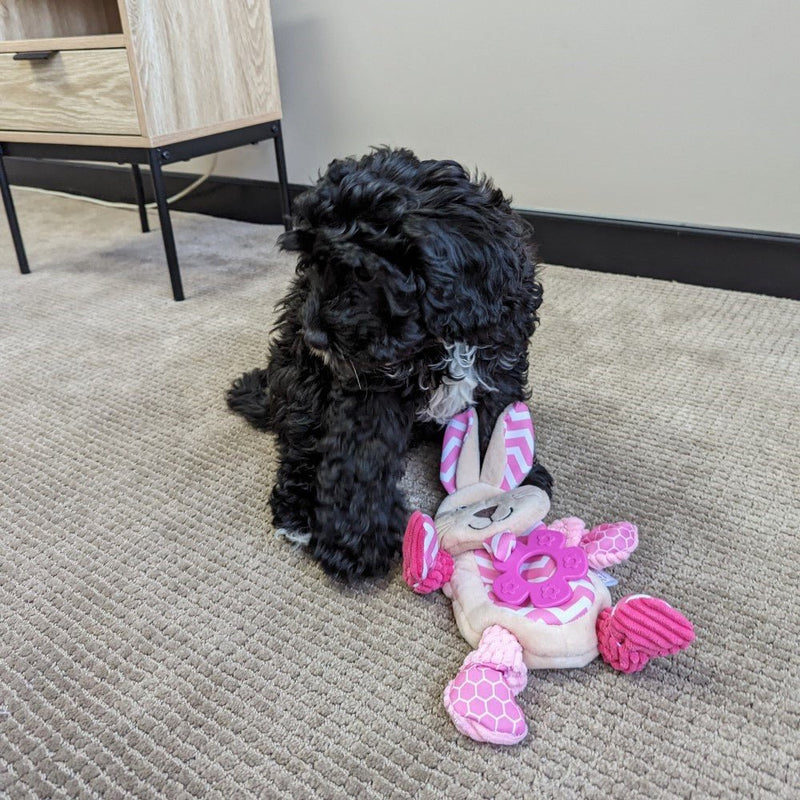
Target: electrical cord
{"x":129,"y":206}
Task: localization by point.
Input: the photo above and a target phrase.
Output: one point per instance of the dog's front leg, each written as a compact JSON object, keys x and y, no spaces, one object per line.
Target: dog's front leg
{"x":300,"y":393}
{"x":360,"y":514}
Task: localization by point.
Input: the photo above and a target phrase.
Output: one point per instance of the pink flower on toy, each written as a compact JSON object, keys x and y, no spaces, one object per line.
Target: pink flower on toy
{"x":570,"y":564}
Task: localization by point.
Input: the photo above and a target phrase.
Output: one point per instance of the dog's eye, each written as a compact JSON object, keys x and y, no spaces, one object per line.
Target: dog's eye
{"x":362,"y":274}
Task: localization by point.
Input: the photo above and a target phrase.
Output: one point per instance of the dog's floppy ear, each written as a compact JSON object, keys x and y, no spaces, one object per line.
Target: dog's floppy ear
{"x":297,"y":240}
{"x":467,"y":283}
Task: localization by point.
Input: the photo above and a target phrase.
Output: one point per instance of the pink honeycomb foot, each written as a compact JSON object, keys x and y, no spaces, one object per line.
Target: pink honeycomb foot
{"x":482,"y":706}
{"x":480,"y":699}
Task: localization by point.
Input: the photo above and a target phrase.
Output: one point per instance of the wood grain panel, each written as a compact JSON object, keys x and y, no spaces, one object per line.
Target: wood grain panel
{"x":44,"y":19}
{"x":94,"y":139}
{"x":201,"y":64}
{"x":81,"y":91}
{"x":64,"y":43}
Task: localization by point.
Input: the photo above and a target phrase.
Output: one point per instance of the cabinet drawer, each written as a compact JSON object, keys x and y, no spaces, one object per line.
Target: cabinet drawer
{"x":72,"y":91}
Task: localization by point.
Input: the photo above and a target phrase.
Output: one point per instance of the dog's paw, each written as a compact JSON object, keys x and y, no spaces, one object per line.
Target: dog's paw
{"x":350,"y":565}
{"x":297,"y":538}
{"x":249,"y":396}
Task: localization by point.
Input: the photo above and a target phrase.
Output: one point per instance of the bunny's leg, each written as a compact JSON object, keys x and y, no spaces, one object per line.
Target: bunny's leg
{"x":480,"y":699}
{"x":638,"y":628}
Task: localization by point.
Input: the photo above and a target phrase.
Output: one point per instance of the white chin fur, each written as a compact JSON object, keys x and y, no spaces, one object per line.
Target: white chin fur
{"x":297,"y":538}
{"x":457,"y":390}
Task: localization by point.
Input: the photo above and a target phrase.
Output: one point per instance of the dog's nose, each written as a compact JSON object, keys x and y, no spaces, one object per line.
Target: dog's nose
{"x":485,"y":512}
{"x":315,"y":339}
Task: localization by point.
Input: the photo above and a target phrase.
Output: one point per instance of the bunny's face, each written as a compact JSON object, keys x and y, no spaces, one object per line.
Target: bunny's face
{"x":467,"y":519}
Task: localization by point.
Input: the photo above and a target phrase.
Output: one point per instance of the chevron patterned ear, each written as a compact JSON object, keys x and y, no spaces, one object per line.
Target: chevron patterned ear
{"x":509,"y":457}
{"x":460,"y":456}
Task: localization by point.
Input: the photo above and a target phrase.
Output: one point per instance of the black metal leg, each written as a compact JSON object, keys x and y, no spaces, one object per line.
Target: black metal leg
{"x":139,"y":187}
{"x":11,"y":213}
{"x":166,"y":224}
{"x":280,"y":158}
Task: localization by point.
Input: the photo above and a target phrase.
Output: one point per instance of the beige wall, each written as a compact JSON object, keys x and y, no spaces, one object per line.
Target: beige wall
{"x":680,"y":110}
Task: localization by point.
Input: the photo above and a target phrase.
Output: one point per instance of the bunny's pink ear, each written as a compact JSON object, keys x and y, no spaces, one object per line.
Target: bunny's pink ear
{"x":509,"y":457}
{"x":519,"y":441}
{"x":451,"y":472}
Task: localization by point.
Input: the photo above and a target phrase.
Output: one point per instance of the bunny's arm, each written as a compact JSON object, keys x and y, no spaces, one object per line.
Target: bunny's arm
{"x":605,"y":545}
{"x":426,"y":567}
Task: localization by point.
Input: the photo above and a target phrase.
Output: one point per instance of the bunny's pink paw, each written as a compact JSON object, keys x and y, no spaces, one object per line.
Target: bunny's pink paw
{"x":426,"y":567}
{"x":610,"y":543}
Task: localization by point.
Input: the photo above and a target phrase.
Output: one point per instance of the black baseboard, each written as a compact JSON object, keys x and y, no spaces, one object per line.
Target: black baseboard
{"x":231,"y":198}
{"x":750,"y":261}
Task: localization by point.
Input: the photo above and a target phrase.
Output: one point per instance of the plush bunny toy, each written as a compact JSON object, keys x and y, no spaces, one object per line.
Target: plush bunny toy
{"x":525,"y":595}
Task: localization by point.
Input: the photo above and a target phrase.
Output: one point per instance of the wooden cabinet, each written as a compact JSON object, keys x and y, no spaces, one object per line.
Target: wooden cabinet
{"x":149,"y":71}
{"x":77,"y":91}
{"x":143,"y":81}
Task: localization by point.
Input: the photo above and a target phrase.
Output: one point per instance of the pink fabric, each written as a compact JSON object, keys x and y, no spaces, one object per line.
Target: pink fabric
{"x":501,"y":545}
{"x":639,"y":628}
{"x":573,"y":529}
{"x":610,"y":543}
{"x":480,"y":699}
{"x":454,"y":435}
{"x":426,"y":567}
{"x":519,"y":441}
{"x":500,"y":649}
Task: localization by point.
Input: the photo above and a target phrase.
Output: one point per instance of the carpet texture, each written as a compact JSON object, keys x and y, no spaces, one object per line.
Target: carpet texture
{"x":156,"y":640}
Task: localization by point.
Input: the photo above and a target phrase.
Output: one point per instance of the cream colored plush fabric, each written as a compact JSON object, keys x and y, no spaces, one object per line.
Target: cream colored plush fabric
{"x":156,"y":640}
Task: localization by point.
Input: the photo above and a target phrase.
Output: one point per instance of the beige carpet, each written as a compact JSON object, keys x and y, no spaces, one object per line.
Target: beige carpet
{"x":156,"y":640}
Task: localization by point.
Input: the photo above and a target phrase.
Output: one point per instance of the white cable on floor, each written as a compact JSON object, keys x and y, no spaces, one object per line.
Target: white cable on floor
{"x":129,"y":206}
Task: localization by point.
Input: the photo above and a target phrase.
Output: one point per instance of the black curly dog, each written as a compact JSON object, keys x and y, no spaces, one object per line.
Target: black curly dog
{"x":414,"y":298}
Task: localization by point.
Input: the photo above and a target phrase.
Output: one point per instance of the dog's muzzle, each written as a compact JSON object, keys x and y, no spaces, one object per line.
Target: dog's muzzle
{"x":316,"y":340}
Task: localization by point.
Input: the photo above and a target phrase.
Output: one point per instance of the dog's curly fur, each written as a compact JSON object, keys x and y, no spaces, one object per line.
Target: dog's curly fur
{"x":414,"y":297}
